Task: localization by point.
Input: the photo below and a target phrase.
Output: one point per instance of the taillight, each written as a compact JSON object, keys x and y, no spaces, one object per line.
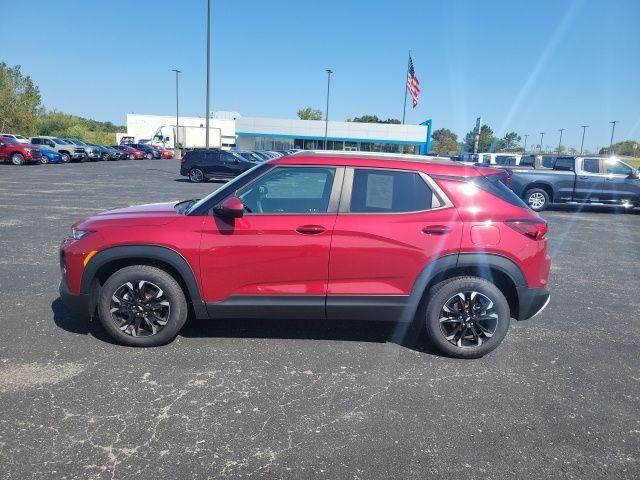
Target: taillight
{"x":535,"y":229}
{"x":183,"y":159}
{"x":506,"y":180}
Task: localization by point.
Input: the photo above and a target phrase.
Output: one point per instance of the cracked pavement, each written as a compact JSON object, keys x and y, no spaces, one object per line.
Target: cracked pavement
{"x":560,"y":398}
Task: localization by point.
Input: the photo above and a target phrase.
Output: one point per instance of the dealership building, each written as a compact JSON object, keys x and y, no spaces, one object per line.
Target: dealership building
{"x":256,"y":133}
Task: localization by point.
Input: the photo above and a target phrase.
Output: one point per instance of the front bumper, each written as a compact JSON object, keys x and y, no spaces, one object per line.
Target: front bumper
{"x":532,"y":301}
{"x":77,"y":156}
{"x":82,"y":304}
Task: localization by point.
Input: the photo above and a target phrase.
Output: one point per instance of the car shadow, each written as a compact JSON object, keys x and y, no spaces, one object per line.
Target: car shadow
{"x":67,"y":320}
{"x":404,"y":335}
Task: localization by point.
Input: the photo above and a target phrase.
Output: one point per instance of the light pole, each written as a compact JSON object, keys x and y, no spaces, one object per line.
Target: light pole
{"x":613,"y":129}
{"x":541,"y":137}
{"x":208,"y":70}
{"x":560,"y":141}
{"x":584,"y":129}
{"x":326,"y":115}
{"x":177,"y":142}
{"x":525,"y":142}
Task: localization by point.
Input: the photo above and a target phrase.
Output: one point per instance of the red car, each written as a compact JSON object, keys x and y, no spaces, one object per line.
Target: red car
{"x":18,"y":153}
{"x":132,"y":153}
{"x":163,"y":151}
{"x":320,"y":236}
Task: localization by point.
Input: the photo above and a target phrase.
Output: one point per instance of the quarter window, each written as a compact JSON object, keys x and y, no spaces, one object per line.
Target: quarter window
{"x":386,"y":191}
{"x":301,"y":190}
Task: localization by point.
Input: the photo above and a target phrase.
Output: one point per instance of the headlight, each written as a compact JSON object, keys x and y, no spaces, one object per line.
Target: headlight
{"x":77,"y":234}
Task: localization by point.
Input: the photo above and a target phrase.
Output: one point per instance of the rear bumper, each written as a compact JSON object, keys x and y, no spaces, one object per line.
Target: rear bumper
{"x":532,"y":301}
{"x":79,"y":304}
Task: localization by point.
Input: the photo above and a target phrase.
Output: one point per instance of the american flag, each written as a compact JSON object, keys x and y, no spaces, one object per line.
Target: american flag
{"x":413,"y":84}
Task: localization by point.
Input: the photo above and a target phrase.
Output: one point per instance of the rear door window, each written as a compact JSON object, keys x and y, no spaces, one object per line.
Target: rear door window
{"x":591,"y":165}
{"x":566,"y":164}
{"x":388,"y":191}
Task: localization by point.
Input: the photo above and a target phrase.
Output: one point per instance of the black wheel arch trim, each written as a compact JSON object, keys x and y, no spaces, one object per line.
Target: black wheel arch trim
{"x":151,"y":252}
{"x":440,"y":265}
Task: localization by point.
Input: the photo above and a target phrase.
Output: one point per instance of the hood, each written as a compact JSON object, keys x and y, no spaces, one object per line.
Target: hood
{"x":143,"y":215}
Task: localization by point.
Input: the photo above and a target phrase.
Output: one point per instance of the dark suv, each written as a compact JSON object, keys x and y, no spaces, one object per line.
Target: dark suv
{"x":200,"y":165}
{"x":325,"y":237}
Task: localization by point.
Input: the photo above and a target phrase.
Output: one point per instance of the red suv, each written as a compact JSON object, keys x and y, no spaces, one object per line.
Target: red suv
{"x":320,"y":236}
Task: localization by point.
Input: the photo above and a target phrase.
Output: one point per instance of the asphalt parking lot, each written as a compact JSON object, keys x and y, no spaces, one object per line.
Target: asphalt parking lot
{"x":560,"y":398}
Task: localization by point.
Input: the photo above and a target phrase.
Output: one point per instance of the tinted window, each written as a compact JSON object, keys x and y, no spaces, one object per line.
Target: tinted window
{"x":486,"y":159}
{"x":591,"y":165}
{"x":289,"y":190}
{"x":386,"y":191}
{"x":505,"y":160}
{"x":527,"y":161}
{"x":548,"y":162}
{"x":35,"y":141}
{"x":494,"y":185}
{"x":229,"y":158}
{"x":618,"y":168}
{"x":567,"y":164}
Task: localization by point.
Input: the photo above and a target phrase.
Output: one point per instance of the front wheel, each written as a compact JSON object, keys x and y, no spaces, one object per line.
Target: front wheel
{"x":537,"y":199}
{"x":149,"y":156}
{"x":66,"y":158}
{"x":196,"y":175}
{"x":142,"y":306}
{"x":105,"y":157}
{"x":17,"y":159}
{"x":466,"y":317}
{"x":131,"y":156}
{"x":44,"y":160}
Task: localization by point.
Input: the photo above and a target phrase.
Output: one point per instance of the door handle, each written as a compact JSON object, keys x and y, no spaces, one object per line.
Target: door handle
{"x":436,"y":230}
{"x":584,"y":177}
{"x":608,"y":179}
{"x":310,"y":229}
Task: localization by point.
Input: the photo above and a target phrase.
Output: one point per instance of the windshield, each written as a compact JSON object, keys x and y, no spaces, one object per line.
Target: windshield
{"x":228,"y":187}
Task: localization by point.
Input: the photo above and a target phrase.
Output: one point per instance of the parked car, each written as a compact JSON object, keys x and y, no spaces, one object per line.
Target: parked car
{"x":446,"y":245}
{"x":149,"y":151}
{"x":68,"y":150}
{"x":104,"y":153}
{"x":132,"y":153}
{"x":17,"y":138}
{"x":249,"y":156}
{"x":115,"y":154}
{"x":18,"y":153}
{"x":263,"y":156}
{"x":164,"y":152}
{"x":578,"y":179}
{"x":201,"y":164}
{"x":49,"y":155}
{"x":93,"y":153}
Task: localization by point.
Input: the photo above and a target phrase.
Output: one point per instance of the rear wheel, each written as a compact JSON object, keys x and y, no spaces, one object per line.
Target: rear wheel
{"x":142,"y":306}
{"x":196,"y":175}
{"x":537,"y":199}
{"x":17,"y":159}
{"x":466,"y":317}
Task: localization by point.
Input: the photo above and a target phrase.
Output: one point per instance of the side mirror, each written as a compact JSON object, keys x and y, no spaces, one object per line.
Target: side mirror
{"x":231,"y":207}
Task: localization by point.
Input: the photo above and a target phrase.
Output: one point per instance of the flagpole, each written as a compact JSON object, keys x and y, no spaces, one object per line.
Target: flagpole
{"x":406,"y":87}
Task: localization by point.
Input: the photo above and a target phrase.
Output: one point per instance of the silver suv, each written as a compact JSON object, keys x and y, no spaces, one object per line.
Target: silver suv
{"x":93,"y":153}
{"x":68,"y":150}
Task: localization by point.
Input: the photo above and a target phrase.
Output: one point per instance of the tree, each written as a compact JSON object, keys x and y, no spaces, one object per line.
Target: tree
{"x":510,"y":142}
{"x":309,"y":113}
{"x":373,"y":119}
{"x":60,"y":124}
{"x":626,"y":147}
{"x":19,"y":101}
{"x":573,"y":151}
{"x":561,"y":149}
{"x":486,"y":142}
{"x":445,"y":141}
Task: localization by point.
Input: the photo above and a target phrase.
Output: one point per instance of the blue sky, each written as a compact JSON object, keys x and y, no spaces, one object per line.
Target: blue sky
{"x":526,"y":66}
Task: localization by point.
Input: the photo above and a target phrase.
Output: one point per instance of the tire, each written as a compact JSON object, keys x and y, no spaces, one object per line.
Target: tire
{"x":66,"y":158}
{"x":44,"y":160}
{"x":149,"y":156}
{"x":17,"y":159}
{"x":537,"y":199}
{"x":105,"y":157}
{"x":131,"y":156}
{"x":131,"y":322}
{"x":465,"y":335}
{"x":196,"y":175}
